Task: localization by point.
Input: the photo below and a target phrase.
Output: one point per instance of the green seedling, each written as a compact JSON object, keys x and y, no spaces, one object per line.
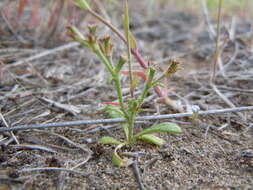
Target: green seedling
{"x":127,"y":109}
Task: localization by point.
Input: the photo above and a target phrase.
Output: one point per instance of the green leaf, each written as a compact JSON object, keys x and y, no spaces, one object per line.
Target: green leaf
{"x":132,"y":41}
{"x":126,"y":130}
{"x":128,"y":34}
{"x":126,"y":20}
{"x":76,"y":35}
{"x":151,"y":74}
{"x":109,"y":140}
{"x":132,"y":105}
{"x":152,"y":139}
{"x":134,"y":83}
{"x":114,"y":111}
{"x":75,"y":32}
{"x":148,"y":85}
{"x":166,"y":127}
{"x":120,"y":64}
{"x":82,"y":4}
{"x":116,"y":159}
{"x":158,"y":84}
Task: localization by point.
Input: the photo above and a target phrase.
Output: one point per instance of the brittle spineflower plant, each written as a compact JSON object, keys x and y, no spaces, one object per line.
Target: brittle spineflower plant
{"x":127,"y":109}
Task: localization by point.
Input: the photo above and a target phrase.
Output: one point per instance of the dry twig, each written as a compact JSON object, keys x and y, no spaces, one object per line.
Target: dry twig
{"x":11,"y":29}
{"x":43,"y":54}
{"x":32,"y":147}
{"x":211,"y":29}
{"x":217,"y":58}
{"x":137,"y":175}
{"x":86,"y":150}
{"x":6,"y":124}
{"x":120,"y":120}
{"x":66,"y":107}
{"x":226,"y":100}
{"x":235,"y":89}
{"x":53,"y":169}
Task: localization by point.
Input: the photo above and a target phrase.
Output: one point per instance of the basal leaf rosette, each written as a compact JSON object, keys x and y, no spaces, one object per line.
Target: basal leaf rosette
{"x":166,"y":127}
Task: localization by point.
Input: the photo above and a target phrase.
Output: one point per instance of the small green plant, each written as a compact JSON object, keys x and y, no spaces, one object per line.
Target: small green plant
{"x":127,"y":109}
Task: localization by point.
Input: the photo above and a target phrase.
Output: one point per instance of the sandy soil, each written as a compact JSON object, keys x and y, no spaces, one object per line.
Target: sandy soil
{"x":213,"y":152}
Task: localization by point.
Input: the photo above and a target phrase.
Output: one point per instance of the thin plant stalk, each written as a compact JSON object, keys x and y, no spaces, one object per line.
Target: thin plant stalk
{"x":135,"y":52}
{"x":120,"y":96}
{"x":147,"y":87}
{"x":131,"y":127}
{"x":103,"y":49}
{"x":217,"y":50}
{"x":118,"y":33}
{"x":115,"y":78}
{"x":129,"y":50}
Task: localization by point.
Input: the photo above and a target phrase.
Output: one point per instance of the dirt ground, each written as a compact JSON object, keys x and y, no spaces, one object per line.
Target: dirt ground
{"x":213,"y":152}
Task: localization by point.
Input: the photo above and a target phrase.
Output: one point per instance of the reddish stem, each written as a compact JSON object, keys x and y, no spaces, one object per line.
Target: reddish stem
{"x":115,"y":104}
{"x":140,"y":74}
{"x":139,"y":58}
{"x":158,"y":91}
{"x":135,"y":52}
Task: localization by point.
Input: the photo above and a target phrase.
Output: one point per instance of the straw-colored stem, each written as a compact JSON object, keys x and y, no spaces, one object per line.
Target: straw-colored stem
{"x":217,"y":50}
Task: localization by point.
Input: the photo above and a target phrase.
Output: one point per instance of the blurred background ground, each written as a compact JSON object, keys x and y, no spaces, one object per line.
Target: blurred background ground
{"x":38,"y":62}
